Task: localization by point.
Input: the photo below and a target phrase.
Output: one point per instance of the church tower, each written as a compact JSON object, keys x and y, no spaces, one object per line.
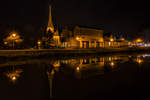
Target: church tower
{"x":50,"y":27}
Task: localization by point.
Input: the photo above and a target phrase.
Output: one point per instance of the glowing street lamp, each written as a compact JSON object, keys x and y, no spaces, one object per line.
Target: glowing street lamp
{"x":122,"y":39}
{"x":39,"y":44}
{"x":5,"y":43}
{"x":14,"y":35}
{"x":111,"y":39}
{"x":77,"y":38}
{"x":12,"y":38}
{"x":78,"y":69}
{"x":112,"y":64}
{"x":139,"y":61}
{"x":139,"y":40}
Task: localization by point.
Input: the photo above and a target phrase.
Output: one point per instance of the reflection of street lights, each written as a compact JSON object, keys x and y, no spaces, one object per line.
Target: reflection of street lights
{"x":14,"y":78}
{"x":112,"y":64}
{"x":78,"y":69}
{"x":14,"y":74}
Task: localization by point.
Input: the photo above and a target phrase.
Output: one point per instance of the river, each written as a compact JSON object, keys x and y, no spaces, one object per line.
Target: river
{"x":97,"y":77}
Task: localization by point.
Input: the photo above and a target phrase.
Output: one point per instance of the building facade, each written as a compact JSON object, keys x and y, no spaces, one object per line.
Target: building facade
{"x":86,"y":38}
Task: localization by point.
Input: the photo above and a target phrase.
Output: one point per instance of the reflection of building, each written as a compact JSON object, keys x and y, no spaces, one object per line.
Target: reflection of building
{"x":50,"y":78}
{"x":91,"y":66}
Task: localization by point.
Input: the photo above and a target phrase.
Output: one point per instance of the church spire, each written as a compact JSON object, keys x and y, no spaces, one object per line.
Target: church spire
{"x":50,"y":26}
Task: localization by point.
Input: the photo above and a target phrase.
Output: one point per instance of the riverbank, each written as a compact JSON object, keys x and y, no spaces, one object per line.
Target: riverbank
{"x":62,"y":51}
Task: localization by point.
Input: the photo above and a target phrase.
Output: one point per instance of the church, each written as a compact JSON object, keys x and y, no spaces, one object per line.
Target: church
{"x":51,"y":30}
{"x":80,"y":37}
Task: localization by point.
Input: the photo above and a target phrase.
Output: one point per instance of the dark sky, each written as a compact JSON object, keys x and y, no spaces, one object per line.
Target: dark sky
{"x":113,"y":15}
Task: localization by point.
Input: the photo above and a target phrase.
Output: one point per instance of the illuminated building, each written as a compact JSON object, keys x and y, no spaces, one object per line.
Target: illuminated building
{"x":115,"y":43}
{"x":50,"y":29}
{"x":86,"y":38}
{"x":66,"y":35}
{"x":50,"y":26}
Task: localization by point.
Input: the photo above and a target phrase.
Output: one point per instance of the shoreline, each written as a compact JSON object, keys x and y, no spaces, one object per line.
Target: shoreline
{"x":62,"y":51}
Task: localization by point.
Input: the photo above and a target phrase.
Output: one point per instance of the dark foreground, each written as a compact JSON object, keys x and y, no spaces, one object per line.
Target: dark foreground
{"x":116,"y":77}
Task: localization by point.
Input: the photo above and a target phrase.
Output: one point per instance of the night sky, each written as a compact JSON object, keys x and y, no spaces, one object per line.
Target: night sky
{"x":113,"y":15}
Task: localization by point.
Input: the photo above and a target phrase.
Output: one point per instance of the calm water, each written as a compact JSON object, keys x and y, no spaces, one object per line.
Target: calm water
{"x":120,"y":77}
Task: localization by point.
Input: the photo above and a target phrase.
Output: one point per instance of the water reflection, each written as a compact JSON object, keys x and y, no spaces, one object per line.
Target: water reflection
{"x":50,"y":78}
{"x":13,"y":74}
{"x":58,"y":73}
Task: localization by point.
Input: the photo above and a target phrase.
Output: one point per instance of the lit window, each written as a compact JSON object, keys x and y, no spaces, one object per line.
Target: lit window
{"x":109,"y":43}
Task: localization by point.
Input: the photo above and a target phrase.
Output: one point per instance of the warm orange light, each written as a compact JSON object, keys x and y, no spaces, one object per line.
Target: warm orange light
{"x":112,"y":64}
{"x":56,"y":64}
{"x":14,"y":75}
{"x":144,"y":56}
{"x":14,"y":34}
{"x":111,"y":39}
{"x":52,"y":72}
{"x":139,"y":40}
{"x":14,"y":78}
{"x":5,"y":42}
{"x":101,"y":40}
{"x":78,"y":69}
{"x":122,"y":39}
{"x":50,"y":29}
{"x":139,"y":61}
{"x":39,"y":42}
{"x":77,"y":38}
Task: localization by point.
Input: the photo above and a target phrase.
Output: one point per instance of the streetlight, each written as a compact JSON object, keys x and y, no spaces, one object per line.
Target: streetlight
{"x":39,"y":44}
{"x":139,"y":40}
{"x":13,"y":38}
{"x":111,"y":39}
{"x":77,"y":38}
{"x":13,"y":35}
{"x":122,"y":39}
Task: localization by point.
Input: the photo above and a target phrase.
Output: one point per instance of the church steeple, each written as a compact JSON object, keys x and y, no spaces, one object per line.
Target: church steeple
{"x":50,"y":26}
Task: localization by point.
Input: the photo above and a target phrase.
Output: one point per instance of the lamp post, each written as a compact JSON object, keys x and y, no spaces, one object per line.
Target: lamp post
{"x":39,"y":44}
{"x":13,"y":39}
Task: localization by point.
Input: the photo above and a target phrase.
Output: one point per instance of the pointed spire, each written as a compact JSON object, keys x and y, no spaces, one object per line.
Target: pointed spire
{"x":50,"y":26}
